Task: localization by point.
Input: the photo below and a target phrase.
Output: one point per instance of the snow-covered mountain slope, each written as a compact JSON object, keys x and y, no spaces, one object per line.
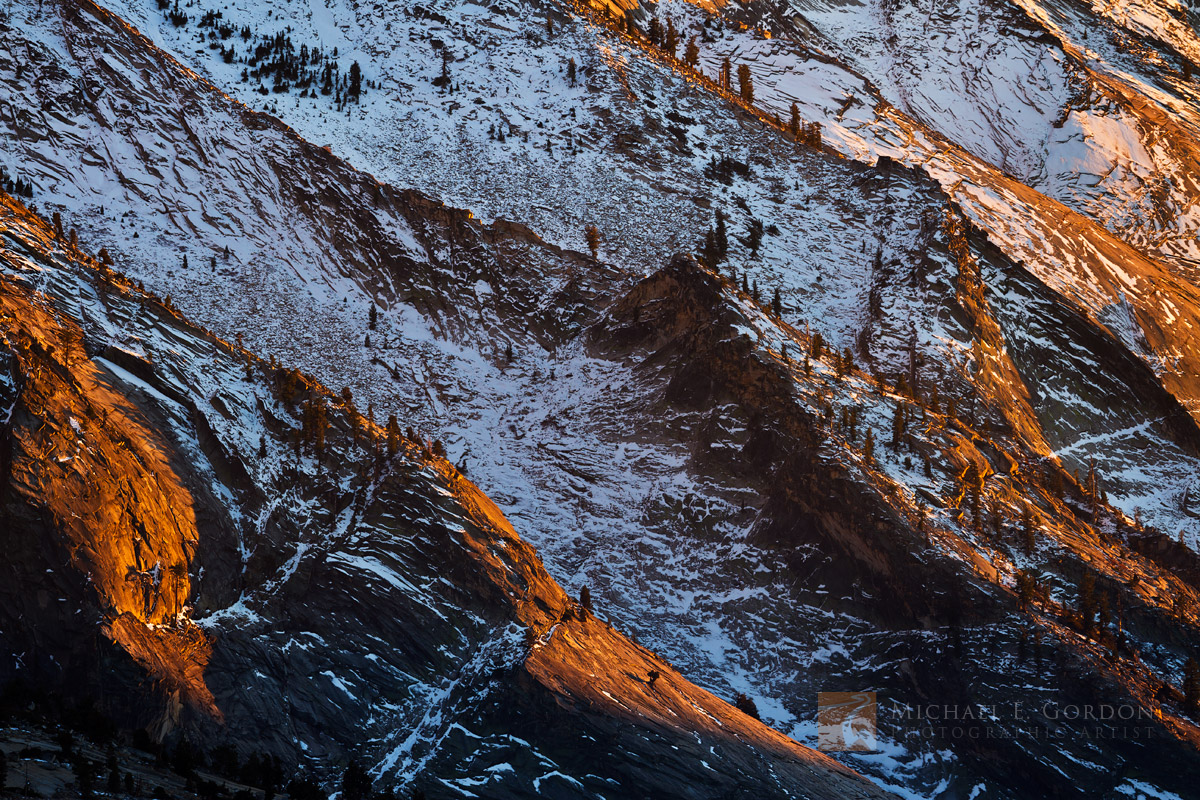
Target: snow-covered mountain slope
{"x":414,"y":130}
{"x":1092,"y":105}
{"x":687,"y":479}
{"x":306,"y":582}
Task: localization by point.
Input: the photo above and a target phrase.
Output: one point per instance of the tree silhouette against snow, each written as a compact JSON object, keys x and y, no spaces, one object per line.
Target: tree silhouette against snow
{"x":746,"y":705}
{"x":745,"y":83}
{"x":592,"y":234}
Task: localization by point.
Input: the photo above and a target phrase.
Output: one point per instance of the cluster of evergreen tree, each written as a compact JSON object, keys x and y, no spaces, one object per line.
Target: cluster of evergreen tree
{"x":15,"y":186}
{"x":808,"y":133}
{"x":1028,"y":588}
{"x":724,"y":169}
{"x":1098,"y":612}
{"x":177,"y":17}
{"x":746,"y":705}
{"x":274,"y":60}
{"x":288,"y":383}
{"x":665,"y":38}
{"x":901,"y":419}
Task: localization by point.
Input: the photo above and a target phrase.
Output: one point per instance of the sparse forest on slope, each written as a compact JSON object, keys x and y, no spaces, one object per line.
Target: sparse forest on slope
{"x":297,"y":580}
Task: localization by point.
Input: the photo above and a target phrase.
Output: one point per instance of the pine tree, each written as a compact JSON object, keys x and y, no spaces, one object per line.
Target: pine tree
{"x":816,"y":343}
{"x":722,"y":238}
{"x":372,"y":317}
{"x":745,"y":84}
{"x":1028,"y":531}
{"x":973,"y":490}
{"x":754,"y":235}
{"x":691,"y":53}
{"x":585,"y":598}
{"x":777,"y":304}
{"x":58,"y":226}
{"x":655,"y":33}
{"x":84,"y":776}
{"x":898,"y":425}
{"x":571,"y":70}
{"x":443,"y":80}
{"x":393,"y":436}
{"x":869,"y":447}
{"x":843,"y":362}
{"x":794,"y":126}
{"x":592,"y":234}
{"x":710,"y":254}
{"x":355,"y":87}
{"x":183,"y":761}
{"x":114,"y":774}
{"x":726,"y":74}
{"x":671,"y":39}
{"x":1026,"y":589}
{"x":1091,"y":486}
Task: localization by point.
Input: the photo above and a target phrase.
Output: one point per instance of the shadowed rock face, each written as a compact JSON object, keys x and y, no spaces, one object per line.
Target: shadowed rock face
{"x":296,"y":588}
{"x":691,"y":339}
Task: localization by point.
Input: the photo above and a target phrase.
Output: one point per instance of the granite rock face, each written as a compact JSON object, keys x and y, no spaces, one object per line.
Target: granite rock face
{"x":215,"y":548}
